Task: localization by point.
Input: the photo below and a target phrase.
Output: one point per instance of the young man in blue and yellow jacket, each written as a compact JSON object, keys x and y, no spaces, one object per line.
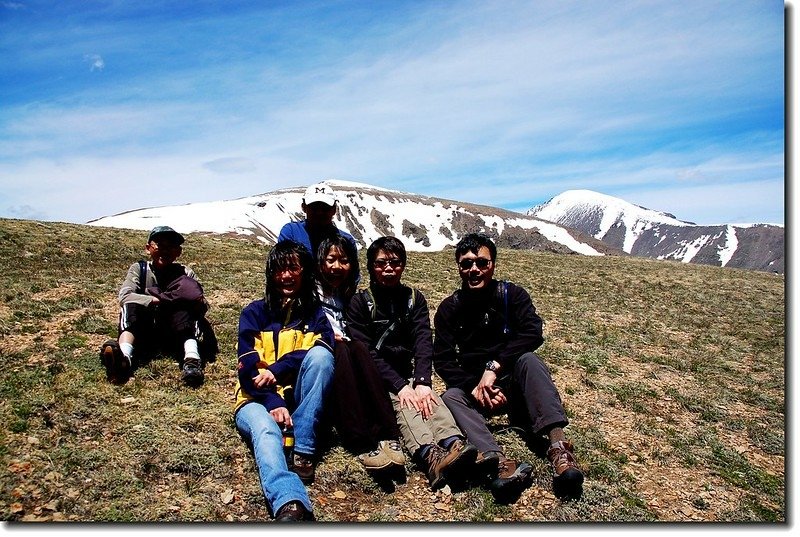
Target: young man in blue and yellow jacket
{"x":284,"y":373}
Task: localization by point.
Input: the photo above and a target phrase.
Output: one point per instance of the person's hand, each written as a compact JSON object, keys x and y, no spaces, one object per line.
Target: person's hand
{"x":408,"y":398}
{"x":155,"y":301}
{"x":498,"y":399}
{"x":282,"y":416}
{"x":486,"y":393}
{"x":266,"y":378}
{"x":426,"y":400}
{"x":338,"y":337}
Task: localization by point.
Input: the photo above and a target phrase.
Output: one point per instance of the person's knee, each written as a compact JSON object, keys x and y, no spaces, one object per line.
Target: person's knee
{"x":318,"y":360}
{"x":529,"y":361}
{"x":453,"y":396}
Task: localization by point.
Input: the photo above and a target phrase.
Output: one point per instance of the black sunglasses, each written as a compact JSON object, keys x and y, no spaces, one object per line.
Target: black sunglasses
{"x":481,"y":262}
{"x":383,"y":263}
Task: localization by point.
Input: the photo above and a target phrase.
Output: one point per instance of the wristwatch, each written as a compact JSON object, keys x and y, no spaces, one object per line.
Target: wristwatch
{"x":490,"y":366}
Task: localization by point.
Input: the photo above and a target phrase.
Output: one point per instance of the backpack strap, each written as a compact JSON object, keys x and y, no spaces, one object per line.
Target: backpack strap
{"x":502,"y":289}
{"x":142,"y":277}
{"x":412,"y":299}
{"x":370,"y":299}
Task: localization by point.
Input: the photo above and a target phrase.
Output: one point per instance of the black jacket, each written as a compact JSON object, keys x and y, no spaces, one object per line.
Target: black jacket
{"x":473,"y":327}
{"x":408,"y":350}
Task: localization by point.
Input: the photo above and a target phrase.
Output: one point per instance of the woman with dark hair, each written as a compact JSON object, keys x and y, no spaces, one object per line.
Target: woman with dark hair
{"x":360,"y":407}
{"x":284,"y":375}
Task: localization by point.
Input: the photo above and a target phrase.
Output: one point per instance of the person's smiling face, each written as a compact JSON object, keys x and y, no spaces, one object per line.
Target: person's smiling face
{"x":288,"y":279}
{"x":476,"y":270}
{"x":335,"y":267}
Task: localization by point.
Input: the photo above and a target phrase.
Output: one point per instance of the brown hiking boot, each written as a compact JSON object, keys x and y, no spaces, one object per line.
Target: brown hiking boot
{"x":436,"y":465}
{"x":304,"y":467}
{"x":460,"y":457}
{"x":444,"y":465}
{"x":567,"y":475}
{"x":512,"y":476}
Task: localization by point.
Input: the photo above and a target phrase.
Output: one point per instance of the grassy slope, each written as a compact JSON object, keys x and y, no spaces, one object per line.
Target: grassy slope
{"x":672,"y":375}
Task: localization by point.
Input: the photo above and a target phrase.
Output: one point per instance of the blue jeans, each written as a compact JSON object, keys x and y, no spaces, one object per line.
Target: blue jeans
{"x":258,"y":427}
{"x":313,"y":384}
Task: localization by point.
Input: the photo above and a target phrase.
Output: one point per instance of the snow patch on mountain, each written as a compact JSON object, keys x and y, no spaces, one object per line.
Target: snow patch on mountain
{"x":367,"y":212}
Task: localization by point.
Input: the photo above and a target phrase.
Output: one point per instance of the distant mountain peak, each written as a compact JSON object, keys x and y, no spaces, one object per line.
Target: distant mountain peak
{"x":647,"y":233}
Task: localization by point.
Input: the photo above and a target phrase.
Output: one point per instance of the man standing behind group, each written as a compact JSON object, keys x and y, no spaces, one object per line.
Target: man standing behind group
{"x":319,"y":206}
{"x":486,"y":333}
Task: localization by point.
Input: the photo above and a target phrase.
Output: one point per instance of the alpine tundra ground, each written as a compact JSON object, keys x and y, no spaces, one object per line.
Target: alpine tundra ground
{"x":673,"y":377}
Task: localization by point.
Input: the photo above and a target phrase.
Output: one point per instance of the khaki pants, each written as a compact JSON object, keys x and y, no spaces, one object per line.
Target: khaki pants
{"x":417,"y":432}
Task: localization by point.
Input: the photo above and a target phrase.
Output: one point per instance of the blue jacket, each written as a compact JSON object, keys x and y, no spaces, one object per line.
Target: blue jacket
{"x":277,"y":340}
{"x":297,"y":232}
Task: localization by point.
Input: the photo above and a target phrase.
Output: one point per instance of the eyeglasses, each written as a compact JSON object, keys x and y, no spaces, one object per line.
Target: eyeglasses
{"x":481,"y":262}
{"x":383,"y":263}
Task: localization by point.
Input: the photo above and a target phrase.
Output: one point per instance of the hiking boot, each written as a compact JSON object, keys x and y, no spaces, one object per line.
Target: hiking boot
{"x":375,"y":460}
{"x":512,"y":477}
{"x":435,"y":465}
{"x":294,"y":511}
{"x":393,"y":451}
{"x":192,"y":372}
{"x":304,"y":467}
{"x":449,"y":464}
{"x":460,"y":457}
{"x":567,"y":475}
{"x":118,"y":366}
{"x":487,"y":464}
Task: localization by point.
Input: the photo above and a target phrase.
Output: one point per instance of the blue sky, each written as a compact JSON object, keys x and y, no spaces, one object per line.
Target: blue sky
{"x":676,"y":105}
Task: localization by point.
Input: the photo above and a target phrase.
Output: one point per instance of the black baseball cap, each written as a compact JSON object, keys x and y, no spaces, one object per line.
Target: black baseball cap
{"x":166,"y":232}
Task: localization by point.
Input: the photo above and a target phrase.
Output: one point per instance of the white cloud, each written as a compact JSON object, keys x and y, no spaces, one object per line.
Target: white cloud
{"x":96,"y":62}
{"x":493,"y":103}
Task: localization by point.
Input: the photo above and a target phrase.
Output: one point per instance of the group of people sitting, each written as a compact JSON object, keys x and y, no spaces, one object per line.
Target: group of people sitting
{"x":318,"y":350}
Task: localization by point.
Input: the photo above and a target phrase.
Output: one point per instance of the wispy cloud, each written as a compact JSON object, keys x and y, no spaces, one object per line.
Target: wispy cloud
{"x":499,"y":103}
{"x":95,"y":62}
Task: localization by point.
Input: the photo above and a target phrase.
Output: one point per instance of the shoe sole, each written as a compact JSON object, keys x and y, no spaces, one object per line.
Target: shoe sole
{"x":377,"y":468}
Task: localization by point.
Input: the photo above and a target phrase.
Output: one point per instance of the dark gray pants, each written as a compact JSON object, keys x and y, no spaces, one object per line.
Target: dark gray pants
{"x":533,"y":404}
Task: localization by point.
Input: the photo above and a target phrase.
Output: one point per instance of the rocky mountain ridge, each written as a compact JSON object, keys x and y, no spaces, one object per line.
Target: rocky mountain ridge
{"x":647,"y":233}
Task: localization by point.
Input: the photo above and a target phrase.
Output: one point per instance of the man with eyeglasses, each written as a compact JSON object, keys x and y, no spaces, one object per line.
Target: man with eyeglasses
{"x":392,"y":320}
{"x":486,"y":333}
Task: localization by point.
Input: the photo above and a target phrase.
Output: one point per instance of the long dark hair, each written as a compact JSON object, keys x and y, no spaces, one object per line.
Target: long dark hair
{"x":348,"y":288}
{"x":282,"y":255}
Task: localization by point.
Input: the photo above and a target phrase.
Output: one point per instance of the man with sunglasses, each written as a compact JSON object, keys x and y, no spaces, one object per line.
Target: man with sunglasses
{"x":486,"y":333}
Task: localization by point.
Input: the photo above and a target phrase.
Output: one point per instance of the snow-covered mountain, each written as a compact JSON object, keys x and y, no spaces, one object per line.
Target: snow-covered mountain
{"x":367,"y":212}
{"x":648,"y":233}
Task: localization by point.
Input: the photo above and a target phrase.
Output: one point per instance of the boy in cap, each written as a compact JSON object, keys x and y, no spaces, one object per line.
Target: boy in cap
{"x":162,"y":305}
{"x":319,"y":206}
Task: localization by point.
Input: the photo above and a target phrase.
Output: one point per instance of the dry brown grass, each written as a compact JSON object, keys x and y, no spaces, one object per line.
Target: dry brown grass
{"x":672,"y":375}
